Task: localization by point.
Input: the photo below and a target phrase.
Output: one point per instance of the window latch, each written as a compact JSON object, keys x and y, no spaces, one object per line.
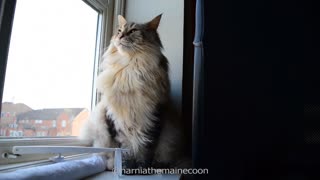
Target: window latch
{"x":8,"y":155}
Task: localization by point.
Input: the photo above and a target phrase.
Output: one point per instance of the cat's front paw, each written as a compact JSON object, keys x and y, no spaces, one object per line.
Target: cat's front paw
{"x":109,"y":161}
{"x":110,"y":165}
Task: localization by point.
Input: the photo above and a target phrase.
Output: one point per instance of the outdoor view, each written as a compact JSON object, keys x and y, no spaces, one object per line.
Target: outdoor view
{"x":48,"y":85}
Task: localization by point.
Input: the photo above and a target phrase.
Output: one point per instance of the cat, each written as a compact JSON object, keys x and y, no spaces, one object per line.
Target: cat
{"x":135,"y":110}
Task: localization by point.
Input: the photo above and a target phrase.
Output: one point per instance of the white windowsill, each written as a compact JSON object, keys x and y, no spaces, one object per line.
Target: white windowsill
{"x":73,"y":169}
{"x":23,"y":165}
{"x":110,"y":175}
{"x":6,"y":145}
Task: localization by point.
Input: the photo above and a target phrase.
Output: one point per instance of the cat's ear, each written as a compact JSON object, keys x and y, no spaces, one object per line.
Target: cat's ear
{"x":154,"y":23}
{"x":121,"y":20}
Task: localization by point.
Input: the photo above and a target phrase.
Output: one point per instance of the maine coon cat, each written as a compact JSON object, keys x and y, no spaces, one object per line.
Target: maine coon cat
{"x":135,"y":109}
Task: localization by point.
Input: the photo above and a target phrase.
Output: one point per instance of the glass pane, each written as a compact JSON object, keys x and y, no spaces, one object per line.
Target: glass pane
{"x":49,"y":75}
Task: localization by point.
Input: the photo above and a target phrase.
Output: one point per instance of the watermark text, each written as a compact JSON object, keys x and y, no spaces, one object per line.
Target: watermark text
{"x":151,"y":170}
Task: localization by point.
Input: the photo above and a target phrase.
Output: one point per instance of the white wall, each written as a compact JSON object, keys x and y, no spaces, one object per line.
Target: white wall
{"x":170,"y":31}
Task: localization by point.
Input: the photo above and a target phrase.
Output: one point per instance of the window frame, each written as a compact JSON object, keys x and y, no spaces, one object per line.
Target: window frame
{"x":107,"y":15}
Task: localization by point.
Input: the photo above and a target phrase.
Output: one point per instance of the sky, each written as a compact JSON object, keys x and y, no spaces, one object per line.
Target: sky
{"x":51,"y":55}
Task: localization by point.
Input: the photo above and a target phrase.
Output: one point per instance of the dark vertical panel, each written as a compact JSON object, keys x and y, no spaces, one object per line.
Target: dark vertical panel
{"x":252,"y":125}
{"x":187,"y":80}
{"x":311,"y":88}
{"x":6,"y":20}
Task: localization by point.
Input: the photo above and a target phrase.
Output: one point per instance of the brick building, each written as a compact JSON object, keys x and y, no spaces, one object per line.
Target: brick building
{"x":79,"y":121}
{"x":9,"y":112}
{"x":19,"y":120}
{"x":48,"y":122}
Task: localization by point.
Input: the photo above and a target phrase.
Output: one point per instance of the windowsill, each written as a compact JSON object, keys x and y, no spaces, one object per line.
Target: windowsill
{"x":110,"y":175}
{"x":15,"y":166}
{"x":7,"y":143}
{"x":90,"y":167}
{"x":70,"y":169}
{"x":23,"y":165}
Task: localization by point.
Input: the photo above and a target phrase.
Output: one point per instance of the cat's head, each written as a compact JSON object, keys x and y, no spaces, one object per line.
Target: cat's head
{"x":133,"y":37}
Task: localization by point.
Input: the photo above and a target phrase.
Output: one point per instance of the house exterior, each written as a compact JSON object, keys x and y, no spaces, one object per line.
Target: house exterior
{"x":9,"y":112}
{"x":48,"y":122}
{"x":78,"y":122}
{"x":18,"y":120}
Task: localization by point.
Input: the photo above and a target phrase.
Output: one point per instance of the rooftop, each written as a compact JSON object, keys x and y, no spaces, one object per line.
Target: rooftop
{"x":48,"y":114}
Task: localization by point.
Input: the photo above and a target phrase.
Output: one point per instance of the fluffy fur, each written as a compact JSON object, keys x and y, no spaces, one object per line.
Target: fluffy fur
{"x":135,"y":111}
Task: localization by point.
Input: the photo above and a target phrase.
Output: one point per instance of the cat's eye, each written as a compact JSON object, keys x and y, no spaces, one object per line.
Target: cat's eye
{"x":132,"y":31}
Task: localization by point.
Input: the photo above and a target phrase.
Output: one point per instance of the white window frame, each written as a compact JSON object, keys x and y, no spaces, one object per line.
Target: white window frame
{"x":108,"y":11}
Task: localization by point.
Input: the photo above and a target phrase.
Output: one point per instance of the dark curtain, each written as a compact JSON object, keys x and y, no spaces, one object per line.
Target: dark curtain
{"x":248,"y":88}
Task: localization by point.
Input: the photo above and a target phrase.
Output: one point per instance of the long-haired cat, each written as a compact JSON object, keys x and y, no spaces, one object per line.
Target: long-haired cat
{"x":135,"y":110}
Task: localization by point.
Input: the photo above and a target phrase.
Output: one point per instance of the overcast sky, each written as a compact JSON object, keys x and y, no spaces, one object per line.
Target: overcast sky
{"x":50,"y":63}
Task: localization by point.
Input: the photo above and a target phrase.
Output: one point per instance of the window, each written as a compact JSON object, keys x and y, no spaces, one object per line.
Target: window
{"x":14,"y":133}
{"x":63,"y":123}
{"x":50,"y":64}
{"x":54,"y":32}
{"x":38,"y":121}
{"x":41,"y":133}
{"x":13,"y":125}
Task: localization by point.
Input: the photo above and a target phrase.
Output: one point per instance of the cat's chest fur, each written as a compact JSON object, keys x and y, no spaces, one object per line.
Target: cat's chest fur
{"x":127,"y":87}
